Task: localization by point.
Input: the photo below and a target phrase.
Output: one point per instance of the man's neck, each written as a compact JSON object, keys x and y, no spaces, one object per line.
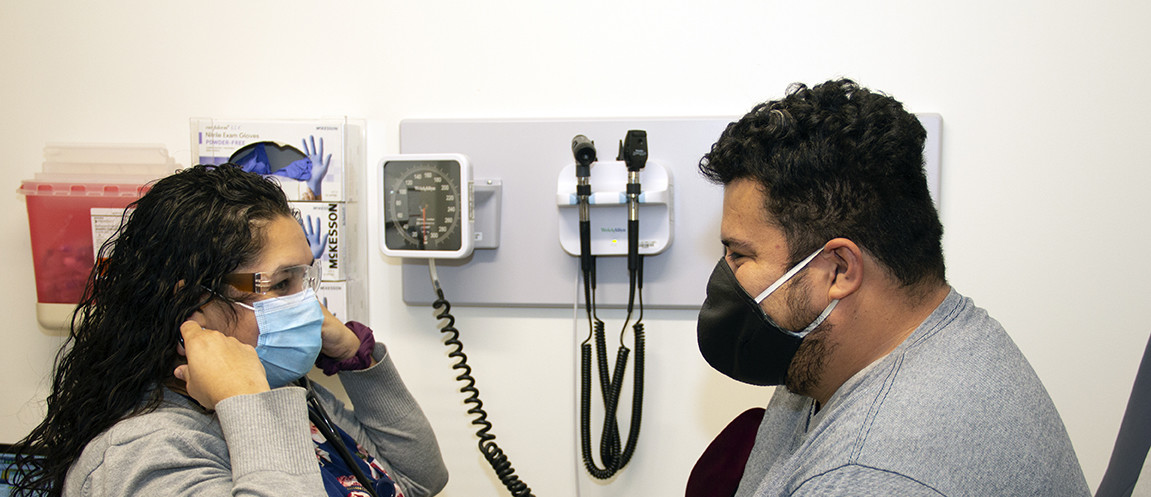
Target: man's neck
{"x":877,"y":329}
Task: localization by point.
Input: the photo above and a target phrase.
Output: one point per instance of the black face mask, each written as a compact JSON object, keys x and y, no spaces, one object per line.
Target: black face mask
{"x":738,"y":339}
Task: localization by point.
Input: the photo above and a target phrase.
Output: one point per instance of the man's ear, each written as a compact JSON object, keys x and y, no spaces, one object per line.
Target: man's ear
{"x":848,"y":260}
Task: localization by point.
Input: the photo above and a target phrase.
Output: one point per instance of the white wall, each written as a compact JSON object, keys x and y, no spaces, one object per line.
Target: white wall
{"x":1045,"y":168}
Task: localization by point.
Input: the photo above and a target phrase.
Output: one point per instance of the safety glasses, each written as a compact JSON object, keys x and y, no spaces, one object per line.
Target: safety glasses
{"x":280,"y":283}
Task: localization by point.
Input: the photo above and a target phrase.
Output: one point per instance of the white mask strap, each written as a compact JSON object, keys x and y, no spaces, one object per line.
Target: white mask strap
{"x":787,"y":276}
{"x":818,"y":321}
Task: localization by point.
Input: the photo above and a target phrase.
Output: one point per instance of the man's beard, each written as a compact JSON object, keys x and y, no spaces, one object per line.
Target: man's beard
{"x":806,"y":368}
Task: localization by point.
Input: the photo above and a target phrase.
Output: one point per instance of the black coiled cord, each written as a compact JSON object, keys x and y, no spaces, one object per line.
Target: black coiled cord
{"x":585,"y":425}
{"x":611,"y":454}
{"x":637,"y":381}
{"x":487,"y":445}
{"x":637,"y":396}
{"x":609,"y":444}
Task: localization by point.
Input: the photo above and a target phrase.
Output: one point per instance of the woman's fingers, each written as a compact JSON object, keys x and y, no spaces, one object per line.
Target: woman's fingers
{"x":218,"y":366}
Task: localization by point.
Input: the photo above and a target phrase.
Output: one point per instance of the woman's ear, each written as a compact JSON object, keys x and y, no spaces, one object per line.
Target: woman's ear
{"x":200,"y":314}
{"x":848,"y":260}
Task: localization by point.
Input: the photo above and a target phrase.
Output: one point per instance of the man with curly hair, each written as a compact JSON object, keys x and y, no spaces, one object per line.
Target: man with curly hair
{"x":832,"y":284}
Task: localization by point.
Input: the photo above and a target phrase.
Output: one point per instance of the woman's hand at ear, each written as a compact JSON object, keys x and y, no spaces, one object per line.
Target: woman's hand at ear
{"x":218,"y":366}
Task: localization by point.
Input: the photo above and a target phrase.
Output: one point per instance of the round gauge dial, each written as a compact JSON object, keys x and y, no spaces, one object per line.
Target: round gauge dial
{"x":423,"y":205}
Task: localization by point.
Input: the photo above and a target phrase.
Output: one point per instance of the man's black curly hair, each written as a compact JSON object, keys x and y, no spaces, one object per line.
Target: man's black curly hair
{"x":838,"y":160}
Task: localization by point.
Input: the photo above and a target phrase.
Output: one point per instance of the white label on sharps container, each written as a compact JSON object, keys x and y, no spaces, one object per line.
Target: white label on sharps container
{"x":105,"y":222}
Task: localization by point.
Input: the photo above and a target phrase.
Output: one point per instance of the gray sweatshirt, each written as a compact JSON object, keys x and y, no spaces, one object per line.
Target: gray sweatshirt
{"x":260,"y":444}
{"x":954,"y":410}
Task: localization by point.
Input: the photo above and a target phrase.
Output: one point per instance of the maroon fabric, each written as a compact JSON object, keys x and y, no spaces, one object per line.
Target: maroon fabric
{"x":361,"y":360}
{"x":718,"y":470}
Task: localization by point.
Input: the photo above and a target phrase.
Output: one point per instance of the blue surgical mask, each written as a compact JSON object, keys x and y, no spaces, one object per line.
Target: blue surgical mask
{"x":290,"y":338}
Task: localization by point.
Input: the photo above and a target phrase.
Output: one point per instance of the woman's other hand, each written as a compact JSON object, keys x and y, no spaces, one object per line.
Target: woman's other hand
{"x":339,"y":342}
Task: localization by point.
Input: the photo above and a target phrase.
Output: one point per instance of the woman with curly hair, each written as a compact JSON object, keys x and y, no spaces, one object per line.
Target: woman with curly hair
{"x":184,"y":371}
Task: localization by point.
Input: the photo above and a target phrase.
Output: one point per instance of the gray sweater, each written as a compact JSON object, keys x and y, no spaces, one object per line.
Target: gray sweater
{"x":954,"y":410}
{"x":260,"y":444}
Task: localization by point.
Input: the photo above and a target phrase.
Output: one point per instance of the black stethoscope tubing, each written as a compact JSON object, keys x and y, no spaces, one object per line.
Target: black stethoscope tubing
{"x":319,"y":417}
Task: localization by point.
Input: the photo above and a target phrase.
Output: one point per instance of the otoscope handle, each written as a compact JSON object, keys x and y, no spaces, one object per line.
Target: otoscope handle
{"x":583,"y":149}
{"x":632,"y":245}
{"x":585,"y":245}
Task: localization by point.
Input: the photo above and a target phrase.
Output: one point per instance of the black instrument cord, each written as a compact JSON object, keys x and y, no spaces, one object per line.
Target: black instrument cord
{"x":596,"y":333}
{"x":323,"y":423}
{"x":637,"y":379}
{"x":612,"y":455}
{"x":487,"y":445}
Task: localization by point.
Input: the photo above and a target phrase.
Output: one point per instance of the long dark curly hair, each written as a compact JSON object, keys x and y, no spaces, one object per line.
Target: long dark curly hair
{"x":181,"y":237}
{"x":839,"y":160}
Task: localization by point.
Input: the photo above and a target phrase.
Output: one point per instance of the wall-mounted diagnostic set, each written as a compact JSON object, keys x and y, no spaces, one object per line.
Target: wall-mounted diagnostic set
{"x":427,"y":212}
{"x":633,"y":157}
{"x":607,"y":216}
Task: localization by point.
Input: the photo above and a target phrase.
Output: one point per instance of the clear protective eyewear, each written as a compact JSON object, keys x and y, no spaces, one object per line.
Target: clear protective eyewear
{"x":279,"y":283}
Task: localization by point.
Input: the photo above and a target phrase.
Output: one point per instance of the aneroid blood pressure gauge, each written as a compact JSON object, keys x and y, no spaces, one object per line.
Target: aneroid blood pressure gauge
{"x":426,"y":206}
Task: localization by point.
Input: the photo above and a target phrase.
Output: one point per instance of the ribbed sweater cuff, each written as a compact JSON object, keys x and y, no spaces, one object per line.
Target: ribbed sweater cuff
{"x":379,"y":387}
{"x":268,"y":431}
